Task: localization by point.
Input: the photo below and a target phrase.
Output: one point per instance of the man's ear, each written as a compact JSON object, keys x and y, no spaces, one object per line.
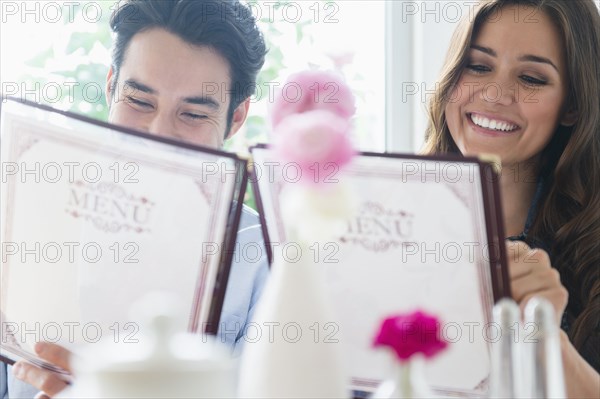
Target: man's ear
{"x":109,"y":86}
{"x":569,"y":118}
{"x":239,"y":117}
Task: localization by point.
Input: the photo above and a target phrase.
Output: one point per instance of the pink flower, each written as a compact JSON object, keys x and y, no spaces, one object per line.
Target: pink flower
{"x":341,"y":58}
{"x":317,"y":141}
{"x":312,"y":90}
{"x":412,"y":333}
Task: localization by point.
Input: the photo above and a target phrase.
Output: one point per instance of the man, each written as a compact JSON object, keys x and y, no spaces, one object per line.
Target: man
{"x":184,"y":69}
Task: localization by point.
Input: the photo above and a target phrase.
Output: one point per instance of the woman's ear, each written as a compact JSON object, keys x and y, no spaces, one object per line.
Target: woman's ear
{"x":569,"y":118}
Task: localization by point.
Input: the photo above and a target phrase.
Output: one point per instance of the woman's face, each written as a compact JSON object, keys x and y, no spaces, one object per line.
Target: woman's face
{"x":510,"y":97}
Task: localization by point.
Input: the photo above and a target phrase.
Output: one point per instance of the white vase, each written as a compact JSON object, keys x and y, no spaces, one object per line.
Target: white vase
{"x":407,"y":381}
{"x":294,"y":354}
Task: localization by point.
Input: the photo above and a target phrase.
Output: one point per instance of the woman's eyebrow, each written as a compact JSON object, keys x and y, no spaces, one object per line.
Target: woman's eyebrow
{"x":486,"y":50}
{"x":537,"y":58}
{"x":527,"y":57}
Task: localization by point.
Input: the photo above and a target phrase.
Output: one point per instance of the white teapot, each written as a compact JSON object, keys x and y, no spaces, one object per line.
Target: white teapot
{"x":161,"y":364}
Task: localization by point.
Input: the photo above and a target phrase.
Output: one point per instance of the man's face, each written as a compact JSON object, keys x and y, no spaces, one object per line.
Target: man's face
{"x":170,"y":88}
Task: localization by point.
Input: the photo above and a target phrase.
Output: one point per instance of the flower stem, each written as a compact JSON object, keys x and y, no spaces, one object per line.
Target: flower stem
{"x":405,"y":380}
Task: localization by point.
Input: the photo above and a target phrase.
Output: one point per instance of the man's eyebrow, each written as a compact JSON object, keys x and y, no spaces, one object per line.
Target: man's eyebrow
{"x":528,"y":57}
{"x":202,"y":100}
{"x":139,"y":86}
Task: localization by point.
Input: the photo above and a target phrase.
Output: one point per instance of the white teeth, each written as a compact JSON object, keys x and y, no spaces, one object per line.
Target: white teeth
{"x":492,"y":124}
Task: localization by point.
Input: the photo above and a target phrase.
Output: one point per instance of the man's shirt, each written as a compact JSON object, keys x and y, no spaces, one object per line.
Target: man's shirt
{"x":249,"y":271}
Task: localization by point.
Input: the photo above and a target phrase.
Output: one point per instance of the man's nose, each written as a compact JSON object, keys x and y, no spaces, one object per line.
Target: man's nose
{"x":161,"y":125}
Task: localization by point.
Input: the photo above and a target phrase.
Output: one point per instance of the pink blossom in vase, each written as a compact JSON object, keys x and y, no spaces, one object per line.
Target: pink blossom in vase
{"x":312,"y":90}
{"x":317,"y":141}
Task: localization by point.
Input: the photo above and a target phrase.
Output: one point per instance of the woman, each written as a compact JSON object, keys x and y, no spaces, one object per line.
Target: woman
{"x":522,"y":80}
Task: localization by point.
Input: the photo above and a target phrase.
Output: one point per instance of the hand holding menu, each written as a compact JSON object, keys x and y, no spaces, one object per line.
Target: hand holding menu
{"x":93,"y":217}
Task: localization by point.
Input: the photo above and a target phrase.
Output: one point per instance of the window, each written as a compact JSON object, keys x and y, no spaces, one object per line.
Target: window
{"x":58,"y":52}
{"x":417,"y":38}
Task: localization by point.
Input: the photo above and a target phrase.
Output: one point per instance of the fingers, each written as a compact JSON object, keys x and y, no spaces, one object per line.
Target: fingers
{"x":537,"y":280}
{"x":531,"y":274}
{"x":523,"y":260}
{"x":54,"y":354}
{"x":48,"y":382}
{"x":557,"y":296}
{"x":517,"y":251}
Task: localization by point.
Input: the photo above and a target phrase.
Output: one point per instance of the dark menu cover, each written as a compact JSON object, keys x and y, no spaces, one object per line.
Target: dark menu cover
{"x":94,"y":217}
{"x":426,"y":234}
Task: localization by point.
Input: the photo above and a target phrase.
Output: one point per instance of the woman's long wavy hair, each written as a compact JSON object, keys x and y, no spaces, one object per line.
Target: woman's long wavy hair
{"x":568,"y":218}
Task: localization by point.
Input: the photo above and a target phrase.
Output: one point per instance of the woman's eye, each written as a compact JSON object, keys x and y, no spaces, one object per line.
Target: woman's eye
{"x":478,"y":68}
{"x":530,"y":80}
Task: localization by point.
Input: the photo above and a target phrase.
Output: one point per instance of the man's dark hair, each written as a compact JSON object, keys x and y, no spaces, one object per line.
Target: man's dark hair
{"x":226,"y":26}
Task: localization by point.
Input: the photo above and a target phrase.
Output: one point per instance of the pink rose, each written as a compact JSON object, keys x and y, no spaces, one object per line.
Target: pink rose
{"x":318,"y":141}
{"x":412,"y":333}
{"x":312,"y":90}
